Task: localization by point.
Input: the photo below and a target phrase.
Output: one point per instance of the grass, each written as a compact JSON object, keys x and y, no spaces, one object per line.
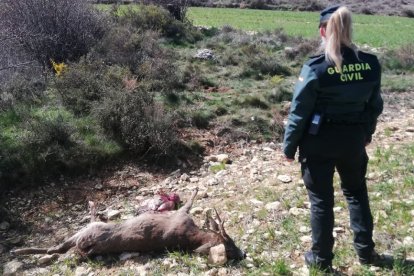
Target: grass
{"x":218,"y":167}
{"x":397,"y":83}
{"x":376,"y":31}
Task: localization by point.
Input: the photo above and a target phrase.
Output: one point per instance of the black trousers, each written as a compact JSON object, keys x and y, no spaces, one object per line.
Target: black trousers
{"x":340,"y":147}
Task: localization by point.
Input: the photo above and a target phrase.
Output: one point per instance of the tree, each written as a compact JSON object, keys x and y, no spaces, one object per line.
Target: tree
{"x":60,"y":30}
{"x":177,"y":8}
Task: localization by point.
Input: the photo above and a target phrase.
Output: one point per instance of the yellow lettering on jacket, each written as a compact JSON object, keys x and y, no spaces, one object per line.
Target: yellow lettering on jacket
{"x":350,"y":72}
{"x":351,"y":77}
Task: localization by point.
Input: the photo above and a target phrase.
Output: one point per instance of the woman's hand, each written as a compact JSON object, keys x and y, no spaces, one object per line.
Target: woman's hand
{"x":289,"y":159}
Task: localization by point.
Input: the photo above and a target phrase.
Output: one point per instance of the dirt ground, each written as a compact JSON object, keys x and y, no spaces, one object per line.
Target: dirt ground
{"x":45,"y":215}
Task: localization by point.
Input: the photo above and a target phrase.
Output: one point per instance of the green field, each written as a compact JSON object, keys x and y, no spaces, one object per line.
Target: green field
{"x":376,"y":31}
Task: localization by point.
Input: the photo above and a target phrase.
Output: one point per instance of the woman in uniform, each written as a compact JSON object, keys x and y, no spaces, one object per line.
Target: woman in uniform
{"x":332,"y":118}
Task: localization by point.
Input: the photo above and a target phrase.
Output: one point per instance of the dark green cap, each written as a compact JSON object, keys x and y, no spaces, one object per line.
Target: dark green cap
{"x":326,"y":13}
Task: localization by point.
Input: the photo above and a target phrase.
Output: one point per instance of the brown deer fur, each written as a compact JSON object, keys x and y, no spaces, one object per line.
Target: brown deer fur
{"x":149,"y":232}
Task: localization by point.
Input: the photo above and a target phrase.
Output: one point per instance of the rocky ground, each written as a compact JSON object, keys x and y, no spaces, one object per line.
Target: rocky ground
{"x":257,"y":191}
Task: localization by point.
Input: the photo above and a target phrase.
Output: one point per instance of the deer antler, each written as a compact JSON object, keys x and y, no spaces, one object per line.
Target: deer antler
{"x":221,"y":224}
{"x":92,"y":210}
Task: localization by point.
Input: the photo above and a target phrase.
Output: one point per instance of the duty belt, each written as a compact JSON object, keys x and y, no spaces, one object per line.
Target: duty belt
{"x":342,"y":122}
{"x":340,"y":109}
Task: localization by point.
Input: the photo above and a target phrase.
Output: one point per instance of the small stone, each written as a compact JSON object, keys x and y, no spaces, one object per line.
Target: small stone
{"x":39,"y":271}
{"x":223,"y":158}
{"x":408,"y":241}
{"x":212,"y":181}
{"x":217,"y":255}
{"x":4,"y":226}
{"x":194,"y":179}
{"x":81,"y":271}
{"x":374,"y":268}
{"x":175,"y":173}
{"x":339,"y":230}
{"x":284,"y":178}
{"x":98,"y":186}
{"x":410,"y":129}
{"x":47,"y":259}
{"x":204,"y":54}
{"x":254,"y":171}
{"x":306,"y":239}
{"x":256,"y":202}
{"x":12,"y":268}
{"x":304,"y":229}
{"x":296,"y":211}
{"x":196,"y":211}
{"x":273,"y":206}
{"x":184,"y":177}
{"x":337,"y":209}
{"x":251,"y":231}
{"x":128,"y":255}
{"x":211,"y":158}
{"x":113,"y":214}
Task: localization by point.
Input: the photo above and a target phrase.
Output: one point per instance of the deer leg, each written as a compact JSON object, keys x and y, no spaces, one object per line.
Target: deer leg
{"x":186,"y":207}
{"x":65,"y":246}
{"x":29,"y":250}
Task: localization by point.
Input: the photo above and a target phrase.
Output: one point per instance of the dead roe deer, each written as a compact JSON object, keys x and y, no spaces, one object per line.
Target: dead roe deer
{"x":148,"y":232}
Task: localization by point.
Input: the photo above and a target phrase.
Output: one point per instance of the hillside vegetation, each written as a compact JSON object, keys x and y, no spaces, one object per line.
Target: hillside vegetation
{"x":134,"y":88}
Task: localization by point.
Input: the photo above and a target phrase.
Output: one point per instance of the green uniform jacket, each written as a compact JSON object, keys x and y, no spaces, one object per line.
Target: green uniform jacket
{"x":350,"y":97}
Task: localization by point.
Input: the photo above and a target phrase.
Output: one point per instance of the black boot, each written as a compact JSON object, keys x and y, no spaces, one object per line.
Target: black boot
{"x":375,"y":259}
{"x":312,"y":261}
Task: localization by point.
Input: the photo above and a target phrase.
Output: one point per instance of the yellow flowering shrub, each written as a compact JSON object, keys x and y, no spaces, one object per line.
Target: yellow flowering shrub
{"x":58,"y":67}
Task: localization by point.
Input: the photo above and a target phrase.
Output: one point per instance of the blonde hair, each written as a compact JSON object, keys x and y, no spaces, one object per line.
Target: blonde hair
{"x":338,"y":33}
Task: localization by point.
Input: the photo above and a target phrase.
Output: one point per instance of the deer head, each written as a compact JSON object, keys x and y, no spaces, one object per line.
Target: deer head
{"x":232,"y":251}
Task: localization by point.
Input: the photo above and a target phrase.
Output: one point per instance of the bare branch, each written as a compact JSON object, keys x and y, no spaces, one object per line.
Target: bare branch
{"x":16,"y":65}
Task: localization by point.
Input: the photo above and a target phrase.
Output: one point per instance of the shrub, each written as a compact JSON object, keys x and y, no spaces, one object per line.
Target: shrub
{"x":159,"y":20}
{"x":408,"y":11}
{"x":177,"y":8}
{"x":201,"y":119}
{"x":268,"y":65}
{"x":258,"y":127}
{"x":21,"y":88}
{"x":85,"y":83}
{"x":258,"y":4}
{"x":140,"y":51}
{"x":43,"y":142}
{"x":260,"y":62}
{"x":135,"y":120}
{"x":53,"y":29}
{"x":367,"y":10}
{"x":302,"y":49}
{"x":194,"y":78}
{"x":254,"y":101}
{"x":280,"y":94}
{"x":400,"y":59}
{"x":277,"y":127}
{"x":196,"y":147}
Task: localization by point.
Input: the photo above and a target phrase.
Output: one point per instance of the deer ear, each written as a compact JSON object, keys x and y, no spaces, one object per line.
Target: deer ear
{"x":204,"y":249}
